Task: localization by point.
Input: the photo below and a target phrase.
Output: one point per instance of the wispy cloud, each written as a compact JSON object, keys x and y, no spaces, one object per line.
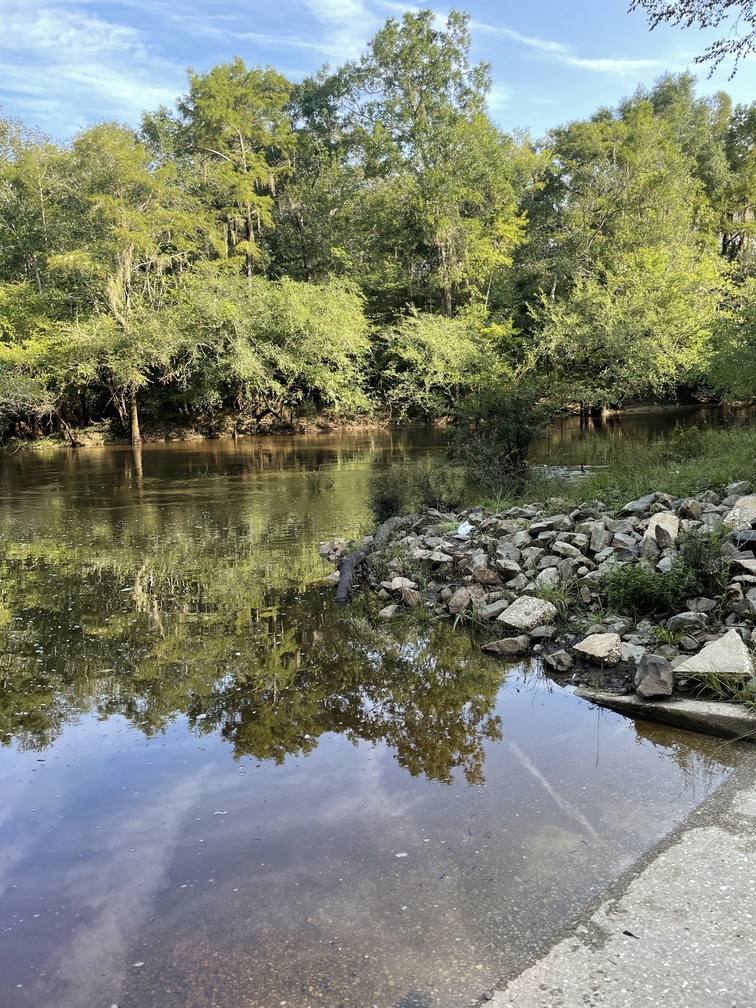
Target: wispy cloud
{"x":58,"y":57}
{"x":561,"y":53}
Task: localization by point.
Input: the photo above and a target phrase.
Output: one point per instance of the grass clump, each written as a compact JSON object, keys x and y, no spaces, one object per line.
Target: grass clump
{"x":724,"y":688}
{"x":700,"y":567}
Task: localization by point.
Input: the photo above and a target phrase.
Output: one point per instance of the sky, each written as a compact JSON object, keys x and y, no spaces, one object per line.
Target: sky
{"x":65,"y":64}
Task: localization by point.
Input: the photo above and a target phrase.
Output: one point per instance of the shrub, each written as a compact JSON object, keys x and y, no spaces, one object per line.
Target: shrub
{"x":700,"y":567}
{"x":408,"y":487}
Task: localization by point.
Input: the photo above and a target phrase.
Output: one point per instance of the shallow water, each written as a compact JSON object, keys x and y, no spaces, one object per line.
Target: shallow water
{"x":219,"y":789}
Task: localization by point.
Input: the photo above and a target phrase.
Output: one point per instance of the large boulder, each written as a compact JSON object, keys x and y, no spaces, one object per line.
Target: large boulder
{"x":526,"y":613}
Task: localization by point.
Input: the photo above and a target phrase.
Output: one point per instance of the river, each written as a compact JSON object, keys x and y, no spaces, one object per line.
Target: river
{"x":219,"y":789}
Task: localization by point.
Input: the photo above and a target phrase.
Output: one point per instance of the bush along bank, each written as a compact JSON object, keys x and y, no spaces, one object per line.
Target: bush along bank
{"x":656,"y":599}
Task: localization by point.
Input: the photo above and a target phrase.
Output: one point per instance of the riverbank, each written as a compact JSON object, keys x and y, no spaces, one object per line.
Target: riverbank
{"x":656,"y":598}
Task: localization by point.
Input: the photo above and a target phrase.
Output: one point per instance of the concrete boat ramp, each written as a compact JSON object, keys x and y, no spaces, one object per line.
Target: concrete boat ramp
{"x":677,"y":930}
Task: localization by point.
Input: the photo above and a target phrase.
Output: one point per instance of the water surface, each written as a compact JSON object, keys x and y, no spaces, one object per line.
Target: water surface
{"x":219,"y":789}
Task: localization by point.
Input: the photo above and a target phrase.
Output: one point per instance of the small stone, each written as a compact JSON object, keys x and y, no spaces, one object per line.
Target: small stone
{"x":459,"y":601}
{"x":509,"y":645}
{"x":389,"y":611}
{"x":664,"y":529}
{"x":412,"y":598}
{"x":738,"y":489}
{"x":632,"y":652}
{"x":690,"y":508}
{"x":688,"y":643}
{"x":559,"y":661}
{"x":686,"y":621}
{"x":398,"y":583}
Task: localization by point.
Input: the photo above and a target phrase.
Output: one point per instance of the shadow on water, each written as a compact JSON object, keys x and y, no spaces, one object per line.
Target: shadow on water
{"x":219,"y":788}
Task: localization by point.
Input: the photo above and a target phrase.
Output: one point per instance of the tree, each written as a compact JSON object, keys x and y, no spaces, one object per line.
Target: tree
{"x":432,"y":157}
{"x":235,"y":123}
{"x":709,"y":14}
{"x":631,"y":309}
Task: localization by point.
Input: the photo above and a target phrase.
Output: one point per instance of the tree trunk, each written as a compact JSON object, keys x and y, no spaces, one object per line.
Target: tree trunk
{"x":136,"y":434}
{"x":349,"y":563}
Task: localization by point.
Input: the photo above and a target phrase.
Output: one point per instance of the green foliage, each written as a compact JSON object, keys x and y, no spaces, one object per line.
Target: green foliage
{"x":700,"y":567}
{"x":722,"y":687}
{"x":402,"y":488}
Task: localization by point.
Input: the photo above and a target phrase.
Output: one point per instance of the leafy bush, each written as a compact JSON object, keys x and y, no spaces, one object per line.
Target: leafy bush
{"x":493,"y":429}
{"x":409,"y":487}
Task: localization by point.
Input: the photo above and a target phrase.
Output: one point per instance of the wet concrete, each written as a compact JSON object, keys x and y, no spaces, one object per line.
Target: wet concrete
{"x":676,"y":930}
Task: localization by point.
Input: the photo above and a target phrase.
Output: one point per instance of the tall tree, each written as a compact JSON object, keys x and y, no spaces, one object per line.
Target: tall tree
{"x":235,"y":123}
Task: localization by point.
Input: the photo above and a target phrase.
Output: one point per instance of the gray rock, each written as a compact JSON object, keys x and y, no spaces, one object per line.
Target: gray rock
{"x":702,"y":604}
{"x":632,"y":652}
{"x":687,"y":621}
{"x":739,"y":489}
{"x":550,"y":577}
{"x":688,"y":643}
{"x":490,"y":612}
{"x":727,"y":656}
{"x":508,"y":569}
{"x":600,"y":648}
{"x":519,"y":583}
{"x":542,"y":632}
{"x":649,"y":548}
{"x":709,"y":497}
{"x":459,"y":601}
{"x":398,"y":583}
{"x":654,"y":677}
{"x":509,"y":645}
{"x":742,"y":515}
{"x":690,"y":508}
{"x":626,"y":539}
{"x":565,"y":549}
{"x":665,"y":565}
{"x":640,"y":505}
{"x":526,"y":613}
{"x":601,"y":537}
{"x":559,"y":661}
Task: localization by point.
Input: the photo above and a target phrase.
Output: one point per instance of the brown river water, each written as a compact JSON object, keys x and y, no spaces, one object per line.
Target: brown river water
{"x":220,"y":790}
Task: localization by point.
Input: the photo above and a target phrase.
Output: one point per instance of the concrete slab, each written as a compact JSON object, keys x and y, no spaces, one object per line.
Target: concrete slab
{"x":722,"y":719}
{"x":677,"y":930}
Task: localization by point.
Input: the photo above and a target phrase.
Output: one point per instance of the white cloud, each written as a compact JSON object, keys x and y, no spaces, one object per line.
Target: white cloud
{"x":561,"y":53}
{"x":63,"y":64}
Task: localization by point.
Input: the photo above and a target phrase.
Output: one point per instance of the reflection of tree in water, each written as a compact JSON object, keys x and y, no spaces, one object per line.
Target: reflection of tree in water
{"x":429,"y":696}
{"x":272,"y":679}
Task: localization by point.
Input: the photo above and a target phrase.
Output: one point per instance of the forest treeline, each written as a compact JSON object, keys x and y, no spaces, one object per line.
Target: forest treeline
{"x":369,"y":242}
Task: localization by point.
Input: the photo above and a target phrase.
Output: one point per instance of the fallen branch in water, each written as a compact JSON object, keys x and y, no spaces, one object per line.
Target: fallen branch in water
{"x":349,"y":563}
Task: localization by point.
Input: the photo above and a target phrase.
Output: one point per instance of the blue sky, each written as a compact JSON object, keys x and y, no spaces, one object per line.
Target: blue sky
{"x":65,"y":64}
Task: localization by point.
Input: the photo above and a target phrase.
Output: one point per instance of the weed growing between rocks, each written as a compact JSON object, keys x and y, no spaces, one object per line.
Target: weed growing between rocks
{"x":700,"y":567}
{"x":722,"y":687}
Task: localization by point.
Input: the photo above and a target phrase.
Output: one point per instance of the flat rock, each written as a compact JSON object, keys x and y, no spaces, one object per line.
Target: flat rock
{"x":742,"y":515}
{"x":686,"y":621}
{"x":600,"y":648}
{"x":526,"y":613}
{"x":722,"y":719}
{"x":399,"y":583}
{"x":509,"y":645}
{"x":726,"y":656}
{"x":389,"y":611}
